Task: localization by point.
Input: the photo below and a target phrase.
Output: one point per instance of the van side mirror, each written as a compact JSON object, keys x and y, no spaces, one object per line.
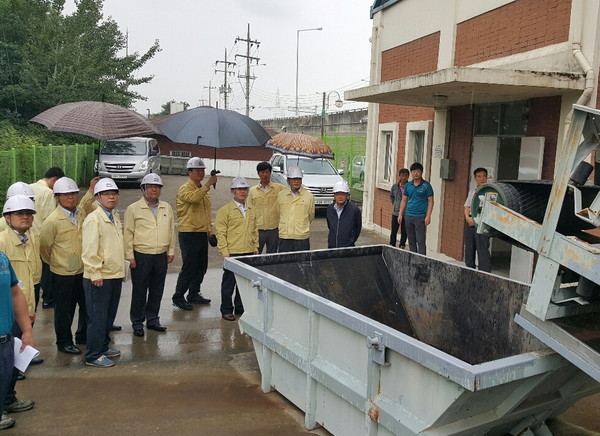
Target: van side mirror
{"x":153,"y":152}
{"x":277,"y":169}
{"x":341,"y":171}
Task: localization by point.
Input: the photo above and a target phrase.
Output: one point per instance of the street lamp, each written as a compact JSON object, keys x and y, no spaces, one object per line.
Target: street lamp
{"x":297,"y":57}
{"x":338,"y":103}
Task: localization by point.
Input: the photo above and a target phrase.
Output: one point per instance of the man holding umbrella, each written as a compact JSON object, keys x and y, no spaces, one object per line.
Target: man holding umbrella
{"x":193,"y":213}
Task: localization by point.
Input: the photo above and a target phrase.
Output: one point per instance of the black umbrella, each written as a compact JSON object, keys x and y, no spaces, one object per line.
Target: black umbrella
{"x":212,"y":127}
{"x":96,"y":119}
{"x":218,"y":128}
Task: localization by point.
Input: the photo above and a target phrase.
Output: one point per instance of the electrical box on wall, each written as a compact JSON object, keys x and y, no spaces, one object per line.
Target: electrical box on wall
{"x":447,"y":167}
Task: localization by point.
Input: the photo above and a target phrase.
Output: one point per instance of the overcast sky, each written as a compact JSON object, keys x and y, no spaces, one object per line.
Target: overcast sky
{"x":194,"y":34}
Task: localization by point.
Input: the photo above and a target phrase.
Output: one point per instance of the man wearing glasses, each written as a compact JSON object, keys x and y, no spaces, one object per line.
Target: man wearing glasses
{"x":60,"y":248}
{"x":193,"y":214}
{"x":103,"y":272}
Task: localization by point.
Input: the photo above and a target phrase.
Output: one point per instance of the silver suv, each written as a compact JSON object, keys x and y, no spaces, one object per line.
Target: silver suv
{"x":319,"y":175}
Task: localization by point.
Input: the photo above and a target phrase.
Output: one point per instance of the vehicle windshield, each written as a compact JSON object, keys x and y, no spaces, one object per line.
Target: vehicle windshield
{"x":132,"y":148}
{"x":312,"y":166}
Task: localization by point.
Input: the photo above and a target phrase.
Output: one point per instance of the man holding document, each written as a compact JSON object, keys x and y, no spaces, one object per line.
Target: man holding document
{"x":13,"y":307}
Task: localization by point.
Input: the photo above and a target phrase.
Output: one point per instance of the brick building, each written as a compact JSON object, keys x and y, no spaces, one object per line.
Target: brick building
{"x":461,"y":84}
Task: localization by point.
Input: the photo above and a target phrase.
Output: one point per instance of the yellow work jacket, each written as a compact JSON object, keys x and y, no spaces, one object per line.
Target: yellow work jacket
{"x":236,"y":234}
{"x":295,"y":214}
{"x":25,"y":260}
{"x":102,"y":254}
{"x":193,"y":208}
{"x":146,"y":233}
{"x":44,"y":204}
{"x":60,"y":243}
{"x":265,"y":205}
{"x":87,"y":203}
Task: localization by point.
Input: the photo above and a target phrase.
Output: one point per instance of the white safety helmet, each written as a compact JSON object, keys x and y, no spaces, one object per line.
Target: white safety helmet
{"x":65,"y":185}
{"x":105,"y":184}
{"x":17,"y":203}
{"x":20,"y":188}
{"x":341,"y":186}
{"x":151,"y":179}
{"x":195,"y":162}
{"x":294,"y":172}
{"x":239,"y":182}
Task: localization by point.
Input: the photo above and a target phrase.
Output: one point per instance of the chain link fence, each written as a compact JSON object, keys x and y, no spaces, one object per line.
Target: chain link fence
{"x":30,"y":164}
{"x":349,"y":152}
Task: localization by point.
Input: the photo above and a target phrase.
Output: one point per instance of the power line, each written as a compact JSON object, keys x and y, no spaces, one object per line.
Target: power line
{"x":249,"y":43}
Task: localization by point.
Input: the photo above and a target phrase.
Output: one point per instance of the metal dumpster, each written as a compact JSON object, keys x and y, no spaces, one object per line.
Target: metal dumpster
{"x":379,"y":341}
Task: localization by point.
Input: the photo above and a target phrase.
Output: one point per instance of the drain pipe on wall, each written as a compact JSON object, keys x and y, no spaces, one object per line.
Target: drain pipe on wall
{"x":589,"y":74}
{"x":589,"y":82}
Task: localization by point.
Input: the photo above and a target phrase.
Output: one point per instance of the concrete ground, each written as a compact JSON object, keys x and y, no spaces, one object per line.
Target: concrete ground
{"x":200,"y":377}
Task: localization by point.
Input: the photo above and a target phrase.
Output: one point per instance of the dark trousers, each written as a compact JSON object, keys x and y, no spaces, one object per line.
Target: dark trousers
{"x":46,"y":283}
{"x":102,"y":303}
{"x":11,"y":394}
{"x":68,"y":293}
{"x":7,"y":371}
{"x":36,"y":293}
{"x":148,"y":285}
{"x":270,"y":238}
{"x":286,"y":245}
{"x":394,"y":232}
{"x":228,"y":287}
{"x":416,"y":231}
{"x":480,"y":244}
{"x":194,"y":254}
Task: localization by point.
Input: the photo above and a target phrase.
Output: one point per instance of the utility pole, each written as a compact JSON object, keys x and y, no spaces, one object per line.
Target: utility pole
{"x":249,"y":59}
{"x":225,"y":89}
{"x":210,"y":88}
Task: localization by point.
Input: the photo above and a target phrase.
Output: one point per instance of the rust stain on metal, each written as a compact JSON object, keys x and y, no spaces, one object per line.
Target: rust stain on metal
{"x":374,"y":413}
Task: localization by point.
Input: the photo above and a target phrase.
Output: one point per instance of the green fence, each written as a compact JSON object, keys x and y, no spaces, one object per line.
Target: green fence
{"x":349,"y":154}
{"x":29,"y":165}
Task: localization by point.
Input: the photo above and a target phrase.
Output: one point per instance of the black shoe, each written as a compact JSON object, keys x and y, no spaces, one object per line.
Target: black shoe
{"x":116,"y":328}
{"x":199,"y":299}
{"x":69,"y":349}
{"x":182,"y":304}
{"x":21,"y":376}
{"x":138,"y":331}
{"x":157,"y":328}
{"x":36,"y":361}
{"x":47,"y":305}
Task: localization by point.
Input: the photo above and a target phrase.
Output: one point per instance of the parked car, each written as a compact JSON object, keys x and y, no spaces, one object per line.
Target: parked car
{"x":128,"y":159}
{"x":358,"y":168}
{"x":319,"y":175}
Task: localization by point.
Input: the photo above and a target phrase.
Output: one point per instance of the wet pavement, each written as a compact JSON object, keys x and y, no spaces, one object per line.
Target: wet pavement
{"x":198,"y":378}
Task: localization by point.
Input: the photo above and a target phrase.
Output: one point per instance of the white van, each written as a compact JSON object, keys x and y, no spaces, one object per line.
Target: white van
{"x":128,"y":159}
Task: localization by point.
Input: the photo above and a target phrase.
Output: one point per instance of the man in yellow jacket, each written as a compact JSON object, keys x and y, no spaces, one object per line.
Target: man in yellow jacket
{"x":103,"y":272}
{"x":263,"y":199}
{"x":149,"y":246}
{"x":296,"y":212}
{"x":60,"y":248}
{"x":20,"y":246}
{"x":237,"y":235}
{"x":45,"y":205}
{"x":193,"y":213}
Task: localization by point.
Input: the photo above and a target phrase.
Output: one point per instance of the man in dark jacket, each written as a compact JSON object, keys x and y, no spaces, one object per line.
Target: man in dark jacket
{"x":343,"y":218}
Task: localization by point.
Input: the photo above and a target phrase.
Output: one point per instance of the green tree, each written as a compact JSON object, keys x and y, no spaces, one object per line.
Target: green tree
{"x":56,"y":58}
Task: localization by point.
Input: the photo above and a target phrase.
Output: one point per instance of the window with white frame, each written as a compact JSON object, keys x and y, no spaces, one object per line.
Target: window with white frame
{"x":387,"y":151}
{"x":418,"y":144}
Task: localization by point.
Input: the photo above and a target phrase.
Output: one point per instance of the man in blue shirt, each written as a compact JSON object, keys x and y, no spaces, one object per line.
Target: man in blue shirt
{"x":415,"y":209}
{"x":12,"y":307}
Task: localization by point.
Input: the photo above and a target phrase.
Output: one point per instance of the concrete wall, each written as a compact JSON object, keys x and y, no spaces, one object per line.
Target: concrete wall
{"x":342,"y":123}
